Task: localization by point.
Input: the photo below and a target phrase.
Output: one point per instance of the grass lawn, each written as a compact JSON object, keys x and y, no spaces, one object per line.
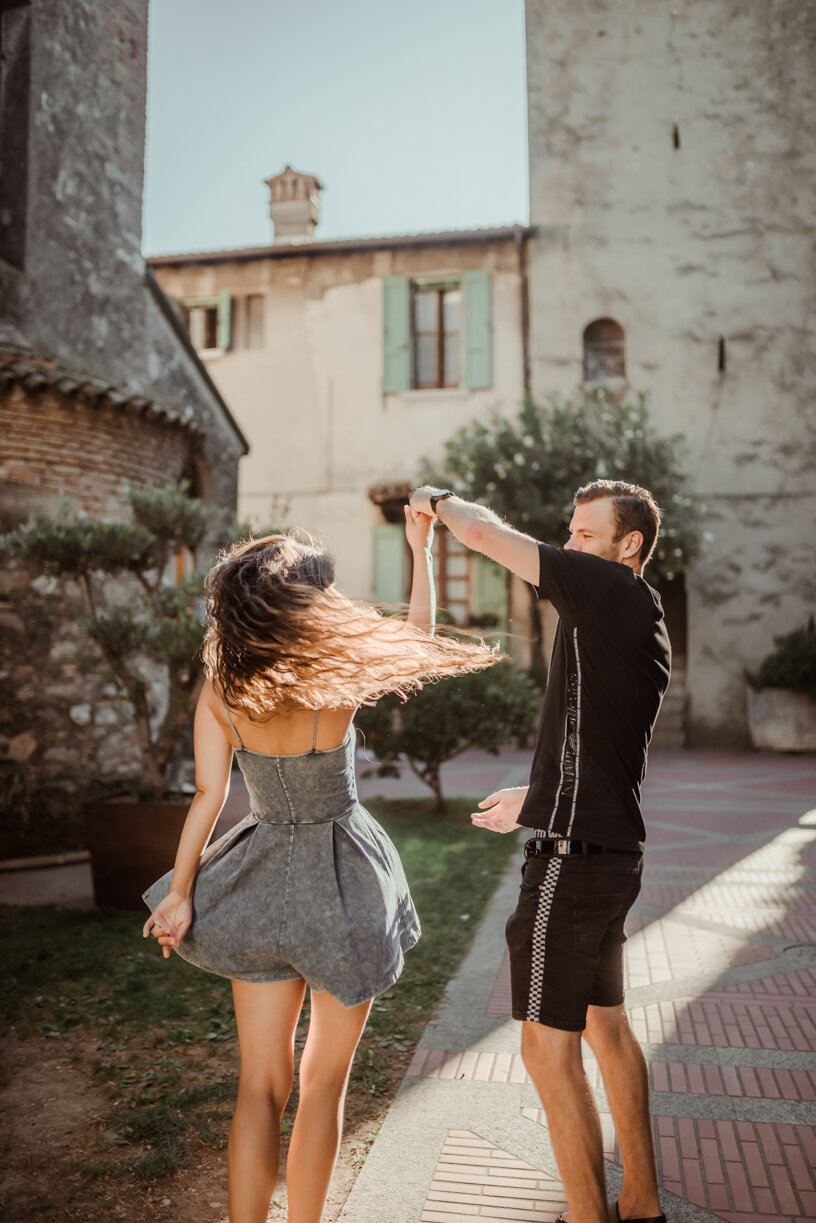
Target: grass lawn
{"x":154,"y":1044}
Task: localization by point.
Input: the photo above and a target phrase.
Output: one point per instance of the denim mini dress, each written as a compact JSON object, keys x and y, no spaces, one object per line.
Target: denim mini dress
{"x":308,"y":885}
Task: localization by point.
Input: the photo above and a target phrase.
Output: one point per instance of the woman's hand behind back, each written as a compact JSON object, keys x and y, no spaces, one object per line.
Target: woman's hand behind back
{"x":170,"y":921}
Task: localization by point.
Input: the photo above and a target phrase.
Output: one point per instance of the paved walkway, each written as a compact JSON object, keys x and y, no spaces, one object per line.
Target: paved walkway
{"x":721,"y":990}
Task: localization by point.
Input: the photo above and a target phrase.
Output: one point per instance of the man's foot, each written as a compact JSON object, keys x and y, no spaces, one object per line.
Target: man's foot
{"x":650,"y":1219}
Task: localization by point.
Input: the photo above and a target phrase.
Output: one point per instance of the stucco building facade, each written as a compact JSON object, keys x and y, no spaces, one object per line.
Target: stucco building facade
{"x":347,"y":363}
{"x":673,"y":195}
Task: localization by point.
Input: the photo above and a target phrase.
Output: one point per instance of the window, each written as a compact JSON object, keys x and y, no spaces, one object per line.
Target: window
{"x":202,"y":324}
{"x":604,"y":351}
{"x":208,"y":320}
{"x":437,"y":333}
{"x":436,"y":321}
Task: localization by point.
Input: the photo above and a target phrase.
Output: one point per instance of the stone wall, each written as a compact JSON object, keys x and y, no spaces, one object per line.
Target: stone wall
{"x":64,"y":730}
{"x":673,"y":184}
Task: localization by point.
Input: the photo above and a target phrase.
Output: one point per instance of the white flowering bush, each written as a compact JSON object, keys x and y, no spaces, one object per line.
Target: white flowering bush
{"x":528,"y":467}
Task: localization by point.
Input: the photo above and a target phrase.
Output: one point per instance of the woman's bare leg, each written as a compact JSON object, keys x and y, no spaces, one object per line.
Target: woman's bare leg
{"x":334,"y":1032}
{"x":266,"y":1016}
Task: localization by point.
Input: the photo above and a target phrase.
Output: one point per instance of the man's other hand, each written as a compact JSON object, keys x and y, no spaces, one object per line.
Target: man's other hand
{"x":502,"y":810}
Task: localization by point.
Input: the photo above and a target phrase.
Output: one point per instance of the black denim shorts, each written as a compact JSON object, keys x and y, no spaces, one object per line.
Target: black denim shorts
{"x":566,"y":936}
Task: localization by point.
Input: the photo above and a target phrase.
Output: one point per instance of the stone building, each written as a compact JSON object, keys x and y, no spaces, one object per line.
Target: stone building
{"x":99,"y":383}
{"x":673,"y":197}
{"x":349,"y":361}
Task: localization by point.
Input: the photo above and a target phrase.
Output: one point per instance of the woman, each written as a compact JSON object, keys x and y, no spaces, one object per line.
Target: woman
{"x":307,"y":888}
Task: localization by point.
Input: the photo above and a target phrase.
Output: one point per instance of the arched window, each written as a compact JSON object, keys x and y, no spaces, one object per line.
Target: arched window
{"x":604,"y":351}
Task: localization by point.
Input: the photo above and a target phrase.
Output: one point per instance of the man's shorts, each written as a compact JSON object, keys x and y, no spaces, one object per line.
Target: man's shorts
{"x":566,"y":936}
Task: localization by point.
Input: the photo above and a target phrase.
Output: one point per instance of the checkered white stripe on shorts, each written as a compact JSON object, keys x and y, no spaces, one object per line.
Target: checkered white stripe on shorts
{"x":546,"y":891}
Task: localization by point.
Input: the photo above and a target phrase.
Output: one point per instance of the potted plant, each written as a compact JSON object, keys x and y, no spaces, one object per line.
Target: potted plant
{"x":148,"y":626}
{"x":782,"y":694}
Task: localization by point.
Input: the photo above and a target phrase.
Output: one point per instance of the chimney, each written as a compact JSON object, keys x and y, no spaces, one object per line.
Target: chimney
{"x":294,"y":205}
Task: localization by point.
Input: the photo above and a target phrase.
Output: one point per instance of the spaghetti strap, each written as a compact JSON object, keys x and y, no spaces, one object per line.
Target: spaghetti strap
{"x":314,"y":733}
{"x":234,"y":731}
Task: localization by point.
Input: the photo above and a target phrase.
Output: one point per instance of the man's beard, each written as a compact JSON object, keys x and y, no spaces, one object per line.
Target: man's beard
{"x":611,"y":553}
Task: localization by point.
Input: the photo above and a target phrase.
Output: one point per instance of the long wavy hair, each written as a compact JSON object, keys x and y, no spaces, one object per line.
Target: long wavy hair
{"x":281,"y":637}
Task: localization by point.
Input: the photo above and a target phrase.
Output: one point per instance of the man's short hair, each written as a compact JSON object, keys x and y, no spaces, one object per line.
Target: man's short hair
{"x":635,"y":510}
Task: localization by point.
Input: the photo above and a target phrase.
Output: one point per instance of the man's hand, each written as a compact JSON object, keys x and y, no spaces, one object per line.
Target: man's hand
{"x":420,"y":499}
{"x":503,"y":809}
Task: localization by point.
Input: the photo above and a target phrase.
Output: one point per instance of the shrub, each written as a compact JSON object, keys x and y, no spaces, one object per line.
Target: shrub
{"x":485,"y":710}
{"x":157,"y":623}
{"x":792,"y":664}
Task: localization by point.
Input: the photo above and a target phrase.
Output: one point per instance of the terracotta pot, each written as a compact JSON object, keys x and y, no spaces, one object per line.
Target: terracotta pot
{"x":781,"y":721}
{"x":131,"y":844}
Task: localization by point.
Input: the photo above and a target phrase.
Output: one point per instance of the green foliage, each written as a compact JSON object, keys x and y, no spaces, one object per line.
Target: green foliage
{"x":82,"y":546}
{"x":484,"y":710}
{"x":792,"y":664}
{"x":171,"y":515}
{"x":528,"y":468}
{"x":160,"y":624}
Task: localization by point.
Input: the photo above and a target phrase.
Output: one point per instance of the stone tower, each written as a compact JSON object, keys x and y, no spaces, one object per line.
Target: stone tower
{"x":673,"y":184}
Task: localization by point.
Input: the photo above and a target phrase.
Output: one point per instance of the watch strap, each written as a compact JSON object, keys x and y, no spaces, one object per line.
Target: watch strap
{"x":442,"y":495}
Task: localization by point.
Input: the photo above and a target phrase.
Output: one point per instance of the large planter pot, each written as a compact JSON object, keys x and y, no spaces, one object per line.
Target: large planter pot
{"x":781,"y":721}
{"x":131,"y":844}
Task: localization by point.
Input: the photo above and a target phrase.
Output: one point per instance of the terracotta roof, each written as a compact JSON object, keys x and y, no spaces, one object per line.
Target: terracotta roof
{"x":284,"y":250}
{"x":36,"y":373}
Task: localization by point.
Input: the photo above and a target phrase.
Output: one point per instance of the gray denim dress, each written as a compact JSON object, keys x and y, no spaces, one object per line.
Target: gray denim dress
{"x":307,"y":885}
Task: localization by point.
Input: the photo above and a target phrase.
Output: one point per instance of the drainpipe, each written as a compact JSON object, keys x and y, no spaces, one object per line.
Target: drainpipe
{"x":521,"y":235}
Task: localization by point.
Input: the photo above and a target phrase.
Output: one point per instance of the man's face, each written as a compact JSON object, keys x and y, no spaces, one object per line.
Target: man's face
{"x":593,"y":530}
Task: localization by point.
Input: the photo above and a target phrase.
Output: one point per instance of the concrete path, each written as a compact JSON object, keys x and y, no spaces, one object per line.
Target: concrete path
{"x":721,"y":990}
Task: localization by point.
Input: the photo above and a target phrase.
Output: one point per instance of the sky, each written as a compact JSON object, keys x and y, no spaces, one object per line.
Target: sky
{"x":412,"y":114}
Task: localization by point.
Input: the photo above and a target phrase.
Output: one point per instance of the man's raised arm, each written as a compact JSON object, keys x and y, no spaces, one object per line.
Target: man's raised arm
{"x":479,"y":529}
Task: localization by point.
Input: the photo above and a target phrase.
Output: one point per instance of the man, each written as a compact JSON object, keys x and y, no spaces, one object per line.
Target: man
{"x":610,"y":667}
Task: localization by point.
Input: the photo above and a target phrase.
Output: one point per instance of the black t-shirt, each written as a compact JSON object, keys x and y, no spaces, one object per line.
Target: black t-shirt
{"x":610,"y":668}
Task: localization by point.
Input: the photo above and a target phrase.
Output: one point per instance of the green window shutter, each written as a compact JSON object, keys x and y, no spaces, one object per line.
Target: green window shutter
{"x":175,"y":304}
{"x":224,"y":320}
{"x":396,"y":333}
{"x":388,"y":585}
{"x":489,"y":589}
{"x":478,"y":330}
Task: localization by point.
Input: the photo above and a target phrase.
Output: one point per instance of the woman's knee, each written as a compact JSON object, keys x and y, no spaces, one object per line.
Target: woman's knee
{"x":272,"y":1084}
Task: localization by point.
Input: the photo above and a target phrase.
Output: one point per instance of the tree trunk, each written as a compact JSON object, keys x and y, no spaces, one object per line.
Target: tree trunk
{"x":182,"y":698}
{"x":429,"y":776}
{"x":433,"y":779}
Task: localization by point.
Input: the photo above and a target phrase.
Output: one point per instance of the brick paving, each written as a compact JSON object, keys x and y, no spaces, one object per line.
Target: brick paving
{"x":721,"y":991}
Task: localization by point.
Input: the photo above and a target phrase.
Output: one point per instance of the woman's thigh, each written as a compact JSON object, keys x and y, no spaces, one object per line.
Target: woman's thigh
{"x":266,"y":1016}
{"x":334,"y":1032}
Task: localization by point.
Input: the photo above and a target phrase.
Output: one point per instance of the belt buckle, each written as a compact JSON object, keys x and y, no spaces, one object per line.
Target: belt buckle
{"x":562,"y":848}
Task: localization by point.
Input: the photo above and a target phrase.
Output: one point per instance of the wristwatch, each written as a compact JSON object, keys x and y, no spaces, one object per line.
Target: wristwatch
{"x":440,"y":496}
